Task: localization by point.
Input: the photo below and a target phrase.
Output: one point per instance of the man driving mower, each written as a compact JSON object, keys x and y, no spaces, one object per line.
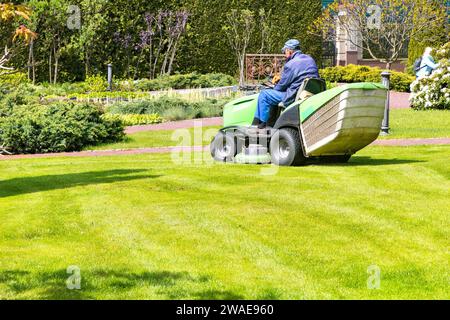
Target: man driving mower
{"x":298,"y":67}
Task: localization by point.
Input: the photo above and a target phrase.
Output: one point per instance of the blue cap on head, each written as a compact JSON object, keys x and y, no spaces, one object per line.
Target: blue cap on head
{"x":292,"y":44}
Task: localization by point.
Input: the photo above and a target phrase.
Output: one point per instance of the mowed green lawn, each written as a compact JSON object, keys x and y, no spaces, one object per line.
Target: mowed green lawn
{"x":144,"y":227}
{"x":405,"y":123}
{"x":408,"y":123}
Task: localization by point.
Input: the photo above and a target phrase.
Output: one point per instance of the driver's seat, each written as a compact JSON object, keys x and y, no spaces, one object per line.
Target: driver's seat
{"x":309,"y":87}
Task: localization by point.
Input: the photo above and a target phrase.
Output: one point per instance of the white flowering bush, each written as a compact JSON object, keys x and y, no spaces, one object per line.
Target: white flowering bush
{"x":433,"y":92}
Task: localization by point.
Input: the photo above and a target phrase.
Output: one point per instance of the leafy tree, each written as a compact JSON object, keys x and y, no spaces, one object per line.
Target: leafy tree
{"x":240,"y":24}
{"x":118,"y":32}
{"x":10,"y":15}
{"x":434,"y":37}
{"x":381,"y":27}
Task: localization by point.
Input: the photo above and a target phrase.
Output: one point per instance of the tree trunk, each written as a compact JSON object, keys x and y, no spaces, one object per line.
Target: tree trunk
{"x":172,"y":58}
{"x":29,"y":60}
{"x":86,"y":63}
{"x":241,"y":70}
{"x":50,"y":67}
{"x":33,"y":63}
{"x":156,"y":59}
{"x":55,"y":79}
{"x":137,"y":64}
{"x":150,"y":61}
{"x":166,"y":56}
{"x":55,"y":71}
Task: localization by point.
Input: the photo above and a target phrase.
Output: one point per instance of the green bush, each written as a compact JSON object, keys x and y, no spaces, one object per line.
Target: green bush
{"x":352,"y":73}
{"x":171,"y":108}
{"x":23,"y":94}
{"x":135,"y":119}
{"x":185,"y":81}
{"x":96,"y":83}
{"x":11,"y":81}
{"x":56,"y":128}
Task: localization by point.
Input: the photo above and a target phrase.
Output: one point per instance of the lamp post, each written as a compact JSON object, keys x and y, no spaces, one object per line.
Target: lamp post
{"x":110,"y":73}
{"x":386,"y":80}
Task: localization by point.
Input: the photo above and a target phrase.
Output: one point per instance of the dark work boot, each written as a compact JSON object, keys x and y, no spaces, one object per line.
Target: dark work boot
{"x":256,"y":122}
{"x":262,"y":125}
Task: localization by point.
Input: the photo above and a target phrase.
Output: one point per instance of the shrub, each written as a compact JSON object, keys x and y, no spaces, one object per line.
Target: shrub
{"x":135,"y":119}
{"x":23,"y":94}
{"x":185,"y":81}
{"x":13,"y":80}
{"x":433,"y":92}
{"x":352,"y":73}
{"x":96,"y":83}
{"x":56,"y":128}
{"x":171,"y":108}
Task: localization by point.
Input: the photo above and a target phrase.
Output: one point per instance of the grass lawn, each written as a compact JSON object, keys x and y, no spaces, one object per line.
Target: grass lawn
{"x":142,"y":227}
{"x":408,"y":123}
{"x":405,"y":123}
{"x":160,"y":138}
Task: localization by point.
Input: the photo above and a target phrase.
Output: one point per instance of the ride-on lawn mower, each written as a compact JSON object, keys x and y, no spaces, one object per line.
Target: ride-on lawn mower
{"x":329,"y":125}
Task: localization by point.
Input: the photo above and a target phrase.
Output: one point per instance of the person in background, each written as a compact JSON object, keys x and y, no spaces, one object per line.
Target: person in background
{"x":298,"y":67}
{"x":427,"y":64}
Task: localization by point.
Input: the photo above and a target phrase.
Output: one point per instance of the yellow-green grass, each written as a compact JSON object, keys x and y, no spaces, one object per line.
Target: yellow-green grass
{"x":163,"y":138}
{"x":143,"y":227}
{"x":408,"y":123}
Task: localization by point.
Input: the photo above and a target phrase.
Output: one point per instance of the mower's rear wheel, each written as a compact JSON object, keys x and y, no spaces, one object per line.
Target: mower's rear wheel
{"x":286,"y":148}
{"x":223,"y":147}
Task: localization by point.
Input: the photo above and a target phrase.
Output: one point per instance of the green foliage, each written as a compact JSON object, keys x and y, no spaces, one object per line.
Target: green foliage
{"x":13,"y":80}
{"x":135,"y":119}
{"x":171,"y":108}
{"x":56,"y":128}
{"x":352,"y":73}
{"x":434,"y":36}
{"x":204,"y":48}
{"x":186,"y":81}
{"x":60,"y":89}
{"x":93,"y":96}
{"x":21,"y":95}
{"x":207,"y":49}
{"x":96,"y":83}
{"x":433,"y":92}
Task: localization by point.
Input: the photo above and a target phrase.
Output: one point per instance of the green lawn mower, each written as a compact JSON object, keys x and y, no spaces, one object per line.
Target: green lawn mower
{"x":325,"y":125}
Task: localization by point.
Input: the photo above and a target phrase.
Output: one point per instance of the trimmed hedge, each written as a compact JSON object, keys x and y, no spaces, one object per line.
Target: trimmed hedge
{"x":352,"y":73}
{"x":56,"y":128}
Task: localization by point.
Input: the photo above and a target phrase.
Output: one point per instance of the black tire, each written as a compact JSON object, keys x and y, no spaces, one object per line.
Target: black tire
{"x":223,"y":147}
{"x":286,"y":148}
{"x":336,"y":159}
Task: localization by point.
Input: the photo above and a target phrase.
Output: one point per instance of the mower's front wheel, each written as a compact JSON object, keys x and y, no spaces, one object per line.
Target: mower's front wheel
{"x":286,"y":148}
{"x":223,"y":147}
